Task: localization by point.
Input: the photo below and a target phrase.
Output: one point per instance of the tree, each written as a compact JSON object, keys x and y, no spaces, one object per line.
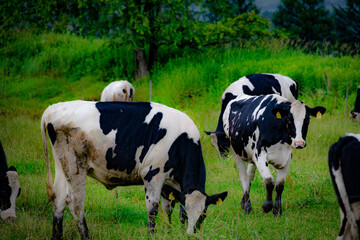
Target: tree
{"x":218,"y":10}
{"x":347,"y":22}
{"x":304,"y":19}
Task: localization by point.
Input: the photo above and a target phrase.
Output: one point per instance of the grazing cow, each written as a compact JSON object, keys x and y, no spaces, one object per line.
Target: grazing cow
{"x":344,"y":165}
{"x":264,"y":130}
{"x":254,"y":85}
{"x":355,"y":114}
{"x":118,"y":91}
{"x":121,"y":144}
{"x":9,"y":188}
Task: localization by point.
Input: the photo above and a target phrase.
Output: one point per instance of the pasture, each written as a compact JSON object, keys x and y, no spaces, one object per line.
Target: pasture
{"x":193,"y":84}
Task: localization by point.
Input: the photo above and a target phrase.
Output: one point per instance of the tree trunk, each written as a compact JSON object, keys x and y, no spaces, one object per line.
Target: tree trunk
{"x":141,"y":66}
{"x":153,"y":50}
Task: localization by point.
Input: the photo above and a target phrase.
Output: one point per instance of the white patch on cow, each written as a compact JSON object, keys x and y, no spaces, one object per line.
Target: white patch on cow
{"x":285,"y":84}
{"x":236,"y":88}
{"x":10,"y":213}
{"x":214,"y":142}
{"x":339,"y":180}
{"x":118,"y":91}
{"x":298,"y":111}
{"x":138,"y":153}
{"x":274,"y":90}
{"x":279,"y":155}
{"x":194,"y":205}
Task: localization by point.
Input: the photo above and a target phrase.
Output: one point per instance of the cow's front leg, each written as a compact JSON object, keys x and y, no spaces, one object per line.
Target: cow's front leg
{"x":279,"y":187}
{"x":152,"y":198}
{"x":268,"y":179}
{"x":245,"y":183}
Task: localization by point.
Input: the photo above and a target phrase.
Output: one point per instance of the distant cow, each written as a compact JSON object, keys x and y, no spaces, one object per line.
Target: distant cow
{"x":344,"y":164}
{"x":9,"y":188}
{"x":355,"y":114}
{"x":121,"y":144}
{"x":254,"y":85}
{"x":264,"y":130}
{"x":118,"y":91}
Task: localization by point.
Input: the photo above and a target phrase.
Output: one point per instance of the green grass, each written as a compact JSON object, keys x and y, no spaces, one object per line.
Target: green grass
{"x":194,"y":84}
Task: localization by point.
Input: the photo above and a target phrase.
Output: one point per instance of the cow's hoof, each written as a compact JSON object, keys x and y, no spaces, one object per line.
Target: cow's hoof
{"x":267,"y":206}
{"x":247,"y":207}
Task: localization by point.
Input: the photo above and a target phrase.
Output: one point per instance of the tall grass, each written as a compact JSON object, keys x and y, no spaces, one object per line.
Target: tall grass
{"x":45,"y":69}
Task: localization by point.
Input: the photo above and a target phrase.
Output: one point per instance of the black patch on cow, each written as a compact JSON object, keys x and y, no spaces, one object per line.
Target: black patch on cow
{"x":266,"y":164}
{"x":52,"y":133}
{"x":124,"y":91}
{"x":186,"y":164}
{"x":132,"y":132}
{"x":263,"y":84}
{"x":294,"y":90}
{"x":3,"y":163}
{"x":5,"y":191}
{"x":271,"y":130}
{"x":151,"y":173}
{"x":131,"y":92}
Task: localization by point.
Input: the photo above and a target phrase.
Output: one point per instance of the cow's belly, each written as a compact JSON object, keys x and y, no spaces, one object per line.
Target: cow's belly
{"x":279,"y":154}
{"x":113,"y":178}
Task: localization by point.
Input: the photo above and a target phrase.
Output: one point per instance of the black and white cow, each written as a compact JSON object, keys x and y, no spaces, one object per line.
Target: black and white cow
{"x":120,"y":90}
{"x":355,"y":114}
{"x":120,"y":144}
{"x":264,"y":130}
{"x":344,"y":165}
{"x":254,"y":85}
{"x":9,"y":188}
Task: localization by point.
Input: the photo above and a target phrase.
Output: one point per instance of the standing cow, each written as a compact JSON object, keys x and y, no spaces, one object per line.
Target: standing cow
{"x":118,"y":91}
{"x":355,"y":114}
{"x":264,"y":130}
{"x":9,"y":188}
{"x":254,"y":85}
{"x":121,"y":144}
{"x":344,"y":165}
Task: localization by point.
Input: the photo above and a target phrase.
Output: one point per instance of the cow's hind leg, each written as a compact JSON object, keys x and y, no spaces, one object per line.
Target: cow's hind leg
{"x":168,"y":207}
{"x":245,"y":183}
{"x":59,"y":203}
{"x":77,"y":200}
{"x":152,"y":198}
{"x":279,"y":187}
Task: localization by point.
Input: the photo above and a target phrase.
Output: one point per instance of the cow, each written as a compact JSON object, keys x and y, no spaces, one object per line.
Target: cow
{"x":120,"y":90}
{"x":344,"y":166}
{"x":264,"y":130}
{"x":9,"y":188}
{"x":121,"y":144}
{"x":255,"y":84}
{"x":355,"y":114}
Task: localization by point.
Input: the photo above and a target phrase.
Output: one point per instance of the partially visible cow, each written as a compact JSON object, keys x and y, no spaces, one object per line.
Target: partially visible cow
{"x":118,"y":91}
{"x":355,"y":114}
{"x":264,"y":130}
{"x":344,"y":165}
{"x":121,"y":144}
{"x":9,"y":188}
{"x":254,"y":85}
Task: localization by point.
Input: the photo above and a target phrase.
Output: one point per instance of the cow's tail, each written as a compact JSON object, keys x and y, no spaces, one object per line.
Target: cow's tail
{"x":49,"y":188}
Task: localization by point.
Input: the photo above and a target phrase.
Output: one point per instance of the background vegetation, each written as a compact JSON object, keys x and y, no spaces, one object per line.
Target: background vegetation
{"x":54,"y":51}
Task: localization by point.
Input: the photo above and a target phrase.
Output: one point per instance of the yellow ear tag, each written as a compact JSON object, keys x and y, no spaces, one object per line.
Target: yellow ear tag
{"x":278,"y":115}
{"x":171,"y":196}
{"x":318,"y":115}
{"x":219,"y":201}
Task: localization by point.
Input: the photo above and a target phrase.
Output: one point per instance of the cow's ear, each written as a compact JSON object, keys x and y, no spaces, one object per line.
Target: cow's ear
{"x":317,"y":111}
{"x":12,"y":168}
{"x":216,"y":198}
{"x":281,"y":111}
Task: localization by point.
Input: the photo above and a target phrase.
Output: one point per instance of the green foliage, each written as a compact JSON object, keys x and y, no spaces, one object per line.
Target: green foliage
{"x":304,"y":19}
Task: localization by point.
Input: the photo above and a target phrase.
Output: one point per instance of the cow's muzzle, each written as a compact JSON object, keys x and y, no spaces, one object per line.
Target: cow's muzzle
{"x":299,"y":144}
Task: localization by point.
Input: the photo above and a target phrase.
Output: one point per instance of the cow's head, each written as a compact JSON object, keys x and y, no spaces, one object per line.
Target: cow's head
{"x":296,"y":117}
{"x":355,"y":115}
{"x":9,"y":191}
{"x":196,"y":205}
{"x":221,"y":142}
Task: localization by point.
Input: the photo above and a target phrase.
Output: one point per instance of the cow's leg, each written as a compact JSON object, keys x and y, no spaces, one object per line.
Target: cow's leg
{"x":77,"y":200}
{"x":59,"y":202}
{"x":152,"y":198}
{"x":279,"y":187}
{"x":168,"y":207}
{"x":245,"y":183}
{"x":268,"y":179}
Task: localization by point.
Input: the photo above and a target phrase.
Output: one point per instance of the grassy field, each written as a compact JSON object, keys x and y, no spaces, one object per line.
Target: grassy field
{"x":194,"y":85}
